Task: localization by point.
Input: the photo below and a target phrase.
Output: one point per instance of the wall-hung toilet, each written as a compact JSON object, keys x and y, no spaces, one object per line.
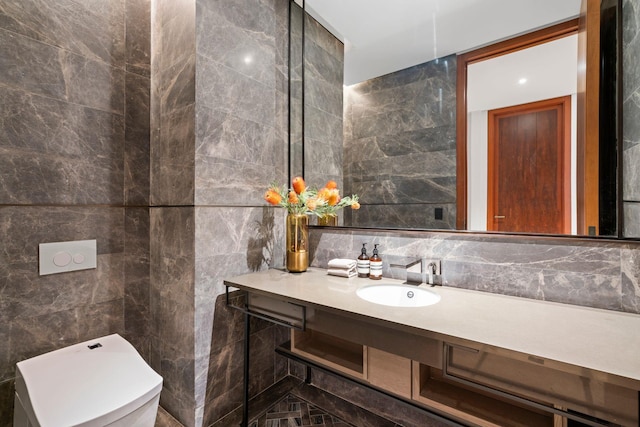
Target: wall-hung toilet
{"x":102,"y":382}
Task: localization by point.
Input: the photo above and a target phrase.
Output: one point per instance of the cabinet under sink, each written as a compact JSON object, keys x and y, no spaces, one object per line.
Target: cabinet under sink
{"x":478,"y":385}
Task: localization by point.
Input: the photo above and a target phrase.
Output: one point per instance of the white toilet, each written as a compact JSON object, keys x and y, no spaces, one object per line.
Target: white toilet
{"x":102,"y":382}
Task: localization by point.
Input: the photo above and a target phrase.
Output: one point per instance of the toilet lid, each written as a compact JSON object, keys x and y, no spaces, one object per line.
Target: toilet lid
{"x":92,"y":383}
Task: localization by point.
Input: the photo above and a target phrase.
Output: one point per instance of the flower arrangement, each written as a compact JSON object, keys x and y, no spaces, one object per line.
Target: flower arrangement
{"x":301,"y":199}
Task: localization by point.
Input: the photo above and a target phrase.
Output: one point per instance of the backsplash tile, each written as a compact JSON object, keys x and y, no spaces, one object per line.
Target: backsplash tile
{"x":573,"y":271}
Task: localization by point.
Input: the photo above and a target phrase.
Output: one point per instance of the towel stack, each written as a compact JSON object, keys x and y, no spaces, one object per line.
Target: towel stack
{"x":342,"y":267}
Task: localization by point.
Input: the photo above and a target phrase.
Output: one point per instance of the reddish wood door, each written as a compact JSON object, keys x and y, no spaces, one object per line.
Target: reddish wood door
{"x":529,"y":168}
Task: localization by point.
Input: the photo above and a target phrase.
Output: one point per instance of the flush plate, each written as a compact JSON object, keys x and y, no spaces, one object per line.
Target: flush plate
{"x":60,"y":257}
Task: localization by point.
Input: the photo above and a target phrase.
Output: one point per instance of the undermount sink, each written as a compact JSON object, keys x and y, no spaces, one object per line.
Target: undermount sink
{"x":397,"y":295}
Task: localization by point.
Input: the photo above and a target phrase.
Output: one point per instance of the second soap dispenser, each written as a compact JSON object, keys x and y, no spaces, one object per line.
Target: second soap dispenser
{"x":375,"y":265}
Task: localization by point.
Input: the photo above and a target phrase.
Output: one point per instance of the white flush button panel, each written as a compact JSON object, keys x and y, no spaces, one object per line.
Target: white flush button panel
{"x":59,"y":257}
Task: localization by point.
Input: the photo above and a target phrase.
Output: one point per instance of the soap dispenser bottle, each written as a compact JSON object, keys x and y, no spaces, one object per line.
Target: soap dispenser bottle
{"x":375,"y":265}
{"x":363,"y":262}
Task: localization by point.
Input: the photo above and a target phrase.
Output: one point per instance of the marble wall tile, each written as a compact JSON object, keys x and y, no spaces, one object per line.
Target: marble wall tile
{"x":172,"y":306}
{"x":228,"y":91}
{"x":587,"y":273}
{"x":45,"y":70}
{"x":177,"y":86}
{"x":138,"y":37}
{"x":7,"y":390}
{"x":631,"y":219}
{"x":27,"y":294}
{"x":403,"y":216}
{"x":27,"y":226}
{"x":631,"y":116}
{"x":317,"y":34}
{"x":7,"y":369}
{"x":63,"y":130}
{"x":55,"y":180}
{"x":230,"y":182}
{"x":172,"y":159}
{"x":74,"y":153}
{"x":241,"y":41}
{"x":400,"y":143}
{"x":226,"y":136}
{"x":224,"y":389}
{"x":47,"y":126}
{"x":35,"y":335}
{"x":630,"y":280}
{"x":321,"y":64}
{"x":174,"y":27}
{"x":94,"y":29}
{"x":137,"y":280}
{"x":177,"y":371}
{"x":137,"y":141}
{"x":630,"y":162}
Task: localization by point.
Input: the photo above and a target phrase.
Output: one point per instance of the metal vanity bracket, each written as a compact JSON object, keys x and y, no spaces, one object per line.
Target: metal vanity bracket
{"x":288,"y":322}
{"x":283,"y":320}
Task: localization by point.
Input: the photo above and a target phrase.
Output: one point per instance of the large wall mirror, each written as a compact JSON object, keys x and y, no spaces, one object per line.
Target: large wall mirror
{"x":378,"y":89}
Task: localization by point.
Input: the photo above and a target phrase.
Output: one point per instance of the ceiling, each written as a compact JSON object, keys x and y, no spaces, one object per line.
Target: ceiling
{"x":383,"y":36}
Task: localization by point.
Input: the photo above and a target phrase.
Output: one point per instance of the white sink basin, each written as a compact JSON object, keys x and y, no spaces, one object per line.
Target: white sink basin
{"x":397,"y":295}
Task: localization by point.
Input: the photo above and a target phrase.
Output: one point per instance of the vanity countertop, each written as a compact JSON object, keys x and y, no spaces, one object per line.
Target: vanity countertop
{"x":603,"y":340}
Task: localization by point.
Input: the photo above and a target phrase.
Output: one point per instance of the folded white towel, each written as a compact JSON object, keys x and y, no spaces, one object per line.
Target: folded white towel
{"x":343,"y":263}
{"x":341,"y":272}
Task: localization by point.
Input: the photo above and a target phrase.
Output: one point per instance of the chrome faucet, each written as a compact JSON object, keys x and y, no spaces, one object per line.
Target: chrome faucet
{"x":432,"y":270}
{"x":420,"y":271}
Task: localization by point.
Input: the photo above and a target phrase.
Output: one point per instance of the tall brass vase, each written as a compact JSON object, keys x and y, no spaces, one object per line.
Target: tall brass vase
{"x":297,"y":243}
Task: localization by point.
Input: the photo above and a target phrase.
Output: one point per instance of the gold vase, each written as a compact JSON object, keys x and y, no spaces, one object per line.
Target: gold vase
{"x":328,"y":220}
{"x":297,"y":242}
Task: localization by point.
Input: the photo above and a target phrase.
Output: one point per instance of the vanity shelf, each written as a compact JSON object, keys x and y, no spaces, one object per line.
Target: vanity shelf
{"x":434,"y":391}
{"x":334,"y":352}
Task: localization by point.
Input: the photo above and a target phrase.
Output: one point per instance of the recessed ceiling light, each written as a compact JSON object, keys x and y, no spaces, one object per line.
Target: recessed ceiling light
{"x":522,"y":81}
{"x":248,"y":59}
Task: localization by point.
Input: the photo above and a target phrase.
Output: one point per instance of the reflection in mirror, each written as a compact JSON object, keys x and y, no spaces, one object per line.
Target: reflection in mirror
{"x":390,"y":137}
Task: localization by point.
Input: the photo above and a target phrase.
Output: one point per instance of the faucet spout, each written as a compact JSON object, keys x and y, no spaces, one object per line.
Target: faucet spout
{"x":431,"y":271}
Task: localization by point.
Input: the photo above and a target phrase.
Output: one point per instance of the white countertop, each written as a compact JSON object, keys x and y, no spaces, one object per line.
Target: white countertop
{"x":603,"y":340}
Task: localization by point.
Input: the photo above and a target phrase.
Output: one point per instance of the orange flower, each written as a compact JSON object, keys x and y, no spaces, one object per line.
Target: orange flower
{"x":293,"y":197}
{"x":324,"y":193}
{"x":272,"y":197}
{"x":298,"y":184}
{"x":334,"y":197}
{"x":331,"y":184}
{"x":312,"y":204}
{"x":355,"y":206}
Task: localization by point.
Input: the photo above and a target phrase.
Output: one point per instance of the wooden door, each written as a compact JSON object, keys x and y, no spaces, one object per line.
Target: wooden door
{"x":529,"y":168}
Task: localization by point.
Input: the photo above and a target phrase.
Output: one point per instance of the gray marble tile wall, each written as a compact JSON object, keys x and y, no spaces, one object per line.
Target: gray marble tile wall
{"x":74,"y":86}
{"x":400,"y":147}
{"x":240,"y":148}
{"x":631,"y":117}
{"x":582,"y":272}
{"x":172,"y":105}
{"x":218,"y":112}
{"x":323,"y":109}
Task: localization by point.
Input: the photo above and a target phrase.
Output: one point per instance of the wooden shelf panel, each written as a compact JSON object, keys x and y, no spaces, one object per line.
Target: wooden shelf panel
{"x":334,"y":352}
{"x":431,"y":389}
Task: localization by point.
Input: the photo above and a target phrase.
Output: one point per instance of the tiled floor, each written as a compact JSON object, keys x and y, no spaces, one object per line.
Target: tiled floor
{"x":293,"y":411}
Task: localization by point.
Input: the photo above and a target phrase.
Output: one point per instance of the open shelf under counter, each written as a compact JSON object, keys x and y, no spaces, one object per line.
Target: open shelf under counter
{"x":334,"y":352}
{"x":431,"y":389}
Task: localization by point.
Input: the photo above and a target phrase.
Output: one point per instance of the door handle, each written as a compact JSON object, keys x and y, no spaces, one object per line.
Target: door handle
{"x":499,"y":217}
